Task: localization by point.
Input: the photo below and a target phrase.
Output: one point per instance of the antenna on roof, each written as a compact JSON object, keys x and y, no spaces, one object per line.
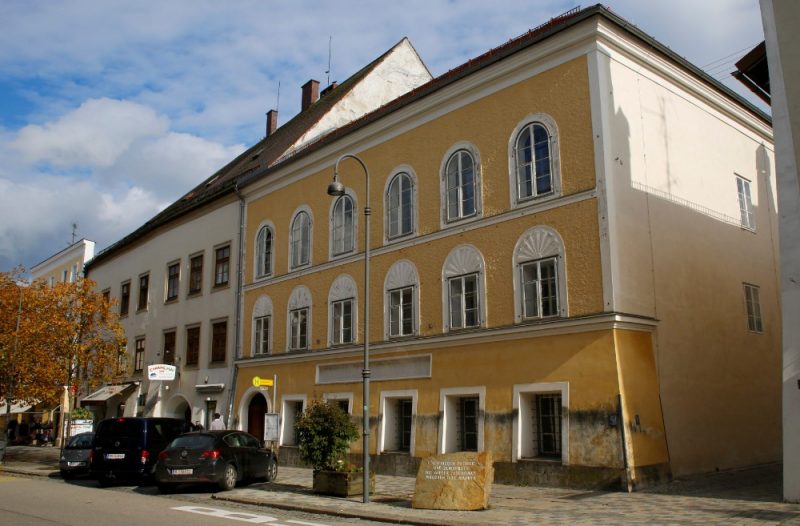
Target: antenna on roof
{"x":74,"y":232}
{"x":278,"y":102}
{"x":328,"y":72}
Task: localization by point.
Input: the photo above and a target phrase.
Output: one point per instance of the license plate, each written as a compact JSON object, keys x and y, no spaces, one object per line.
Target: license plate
{"x":115,"y":456}
{"x":181,"y":472}
{"x":75,"y":464}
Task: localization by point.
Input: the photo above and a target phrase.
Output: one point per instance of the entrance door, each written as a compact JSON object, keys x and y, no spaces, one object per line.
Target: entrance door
{"x":255,"y":416}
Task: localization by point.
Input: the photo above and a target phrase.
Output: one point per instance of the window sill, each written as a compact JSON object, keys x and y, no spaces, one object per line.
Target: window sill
{"x":221,"y":286}
{"x":194,"y":294}
{"x":397,"y":453}
{"x":217,"y":364}
{"x":139,"y":311}
{"x":543,"y":460}
{"x":171,"y":301}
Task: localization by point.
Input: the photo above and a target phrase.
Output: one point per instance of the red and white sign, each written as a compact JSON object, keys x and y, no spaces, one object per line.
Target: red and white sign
{"x":161,"y":371}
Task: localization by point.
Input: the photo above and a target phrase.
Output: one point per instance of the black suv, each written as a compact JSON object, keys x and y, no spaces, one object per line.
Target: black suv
{"x":127,"y":448}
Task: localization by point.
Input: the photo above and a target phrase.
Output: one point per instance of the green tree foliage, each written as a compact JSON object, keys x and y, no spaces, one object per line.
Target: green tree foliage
{"x":324,"y":435}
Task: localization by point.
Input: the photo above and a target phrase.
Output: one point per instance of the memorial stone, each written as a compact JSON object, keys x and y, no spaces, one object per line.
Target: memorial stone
{"x":455,"y":481}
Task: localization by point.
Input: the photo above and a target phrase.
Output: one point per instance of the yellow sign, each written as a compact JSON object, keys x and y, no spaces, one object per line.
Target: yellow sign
{"x":260,"y":382}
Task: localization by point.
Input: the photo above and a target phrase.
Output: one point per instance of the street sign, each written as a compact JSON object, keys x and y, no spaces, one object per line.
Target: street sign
{"x":262,"y":382}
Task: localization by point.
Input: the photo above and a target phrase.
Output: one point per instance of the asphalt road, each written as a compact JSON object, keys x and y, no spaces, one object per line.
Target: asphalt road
{"x":35,"y":501}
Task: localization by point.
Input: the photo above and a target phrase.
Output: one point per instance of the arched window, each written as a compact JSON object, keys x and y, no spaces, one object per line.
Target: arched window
{"x":262,"y":326}
{"x":463,"y":288}
{"x":342,"y":308}
{"x":400,"y":206}
{"x":539,"y":277}
{"x":298,"y":322}
{"x":461,"y":188}
{"x":401,"y":290}
{"x":300,"y":241}
{"x":342,"y":226}
{"x":534,"y":158}
{"x":264,"y":252}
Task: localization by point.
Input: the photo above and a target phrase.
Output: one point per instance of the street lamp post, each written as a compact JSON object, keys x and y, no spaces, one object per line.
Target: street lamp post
{"x":336,"y":188}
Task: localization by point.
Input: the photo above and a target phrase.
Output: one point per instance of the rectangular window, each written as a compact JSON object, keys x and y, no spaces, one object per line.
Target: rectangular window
{"x":547,"y":423}
{"x":107,"y":296}
{"x":65,"y":275}
{"x":401,"y":312}
{"x":745,"y":203}
{"x":464,"y":301}
{"x":144,"y":286}
{"x":219,"y":340}
{"x":753,"y":305}
{"x":298,"y":338}
{"x":169,"y":347}
{"x":261,"y":337}
{"x":468,"y":424}
{"x":292,"y":409}
{"x":404,"y":420}
{"x":138,"y":358}
{"x":539,"y":288}
{"x":222,"y":266}
{"x":124,"y":298}
{"x":196,"y":274}
{"x":342,"y":313}
{"x":173,"y":281}
{"x":192,"y":345}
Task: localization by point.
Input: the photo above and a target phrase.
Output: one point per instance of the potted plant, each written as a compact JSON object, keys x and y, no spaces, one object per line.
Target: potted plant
{"x":324,"y":435}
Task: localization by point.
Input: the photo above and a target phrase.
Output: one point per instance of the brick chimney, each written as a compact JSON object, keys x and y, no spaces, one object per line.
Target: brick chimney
{"x":310,"y":94}
{"x":272,"y":122}
{"x":329,"y":89}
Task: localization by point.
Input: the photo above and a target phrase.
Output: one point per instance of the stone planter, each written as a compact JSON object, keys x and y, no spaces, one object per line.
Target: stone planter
{"x":341,"y":484}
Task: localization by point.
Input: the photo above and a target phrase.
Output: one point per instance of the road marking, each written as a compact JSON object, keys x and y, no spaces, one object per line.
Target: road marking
{"x":252,"y":518}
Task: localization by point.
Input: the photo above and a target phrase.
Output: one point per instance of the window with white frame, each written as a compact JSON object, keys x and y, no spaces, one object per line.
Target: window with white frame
{"x":343,"y":400}
{"x":461,"y":186}
{"x":342,"y":310}
{"x":464,"y":311}
{"x":342,"y":226}
{"x":396,"y":431}
{"x":753,"y":306}
{"x":534,"y":158}
{"x":264,"y":252}
{"x":745,"y":203}
{"x":261,"y":339}
{"x":462,"y":295}
{"x":298,"y":327}
{"x":540,"y":428}
{"x":400,"y":286}
{"x":463,"y":419}
{"x":292,"y":409}
{"x":400,"y":206}
{"x":300,"y":240}
{"x":262,"y":326}
{"x":539,"y":281}
{"x":298,"y":334}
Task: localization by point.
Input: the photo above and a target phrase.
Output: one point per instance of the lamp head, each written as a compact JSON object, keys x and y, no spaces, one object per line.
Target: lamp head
{"x":335,"y":188}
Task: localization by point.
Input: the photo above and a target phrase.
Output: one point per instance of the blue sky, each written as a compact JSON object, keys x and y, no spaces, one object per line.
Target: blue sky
{"x":110,"y":110}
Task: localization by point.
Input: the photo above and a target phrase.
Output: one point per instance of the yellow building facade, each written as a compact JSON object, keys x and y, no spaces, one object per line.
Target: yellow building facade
{"x":523,"y":297}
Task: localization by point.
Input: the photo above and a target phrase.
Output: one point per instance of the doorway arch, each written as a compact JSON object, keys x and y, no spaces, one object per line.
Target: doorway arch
{"x":255,"y":415}
{"x":178,"y":407}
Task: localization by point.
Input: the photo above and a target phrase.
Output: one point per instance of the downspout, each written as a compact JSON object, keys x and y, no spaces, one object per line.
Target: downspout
{"x":233,"y":422}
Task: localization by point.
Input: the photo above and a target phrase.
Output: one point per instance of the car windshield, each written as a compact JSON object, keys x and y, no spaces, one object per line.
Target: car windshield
{"x":193,"y":442}
{"x":82,"y":441}
{"x":118,"y":430}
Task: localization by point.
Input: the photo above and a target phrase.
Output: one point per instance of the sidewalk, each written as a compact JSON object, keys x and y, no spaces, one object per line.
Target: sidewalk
{"x":751,"y":496}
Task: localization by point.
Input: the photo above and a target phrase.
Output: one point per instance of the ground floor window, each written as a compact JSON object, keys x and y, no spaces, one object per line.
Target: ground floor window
{"x":462,"y":423}
{"x":547,"y":423}
{"x":540,"y":429}
{"x":292,"y":409}
{"x":468,"y":424}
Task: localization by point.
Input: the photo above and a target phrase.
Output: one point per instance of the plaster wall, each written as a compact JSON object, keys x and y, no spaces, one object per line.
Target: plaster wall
{"x":680,"y":254}
{"x":198,"y":233}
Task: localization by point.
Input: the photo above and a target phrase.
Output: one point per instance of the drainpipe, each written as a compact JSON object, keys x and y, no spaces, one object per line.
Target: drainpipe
{"x":238,"y":296}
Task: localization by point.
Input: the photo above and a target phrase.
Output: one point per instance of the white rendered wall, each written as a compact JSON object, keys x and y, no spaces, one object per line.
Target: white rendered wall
{"x":676,"y":252}
{"x":180,"y":240}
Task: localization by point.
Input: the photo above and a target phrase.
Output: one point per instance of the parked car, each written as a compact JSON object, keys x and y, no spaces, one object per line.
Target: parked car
{"x":127,"y":448}
{"x":76,"y":456}
{"x":219,"y":457}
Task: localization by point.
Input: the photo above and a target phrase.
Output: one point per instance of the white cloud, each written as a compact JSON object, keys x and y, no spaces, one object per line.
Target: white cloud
{"x":93,"y":135}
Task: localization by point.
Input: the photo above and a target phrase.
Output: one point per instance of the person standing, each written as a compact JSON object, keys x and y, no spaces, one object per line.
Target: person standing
{"x":217,"y":423}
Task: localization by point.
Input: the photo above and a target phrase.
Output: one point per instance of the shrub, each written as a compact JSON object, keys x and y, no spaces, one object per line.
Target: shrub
{"x":324,"y":434}
{"x":81,"y":413}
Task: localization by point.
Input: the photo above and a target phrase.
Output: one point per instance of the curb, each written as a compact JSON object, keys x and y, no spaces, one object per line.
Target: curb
{"x":345,"y":514}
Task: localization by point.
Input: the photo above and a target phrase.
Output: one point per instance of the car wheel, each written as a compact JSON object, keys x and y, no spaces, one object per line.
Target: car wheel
{"x":166,"y":488}
{"x":272,"y":470}
{"x":66,"y":475}
{"x":228,"y":481}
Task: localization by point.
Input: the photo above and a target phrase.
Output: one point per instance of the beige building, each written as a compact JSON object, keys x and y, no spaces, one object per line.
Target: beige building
{"x":66,"y":265}
{"x":573,"y":265}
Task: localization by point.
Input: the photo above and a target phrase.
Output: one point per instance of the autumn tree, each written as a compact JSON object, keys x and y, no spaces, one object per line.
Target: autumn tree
{"x":67,"y":334}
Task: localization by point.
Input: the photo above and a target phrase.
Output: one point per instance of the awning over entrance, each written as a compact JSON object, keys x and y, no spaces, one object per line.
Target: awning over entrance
{"x":15,"y":408}
{"x":104,"y":394}
{"x":209,"y":388}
